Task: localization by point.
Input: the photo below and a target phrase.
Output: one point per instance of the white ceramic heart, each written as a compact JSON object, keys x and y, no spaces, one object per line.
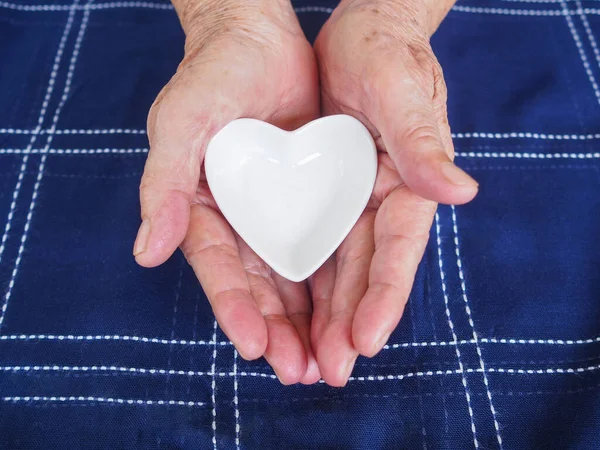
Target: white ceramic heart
{"x":292,"y":196}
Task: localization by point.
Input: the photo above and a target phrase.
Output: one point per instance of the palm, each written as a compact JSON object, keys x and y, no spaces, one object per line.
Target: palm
{"x":381,"y":70}
{"x":363,"y":288}
{"x":262,"y":313}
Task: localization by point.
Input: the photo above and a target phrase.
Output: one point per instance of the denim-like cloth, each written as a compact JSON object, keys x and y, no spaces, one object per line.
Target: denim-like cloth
{"x":499,"y":346}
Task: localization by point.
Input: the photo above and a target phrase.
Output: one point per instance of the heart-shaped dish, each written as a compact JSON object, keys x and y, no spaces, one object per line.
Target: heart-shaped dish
{"x":293,"y":196}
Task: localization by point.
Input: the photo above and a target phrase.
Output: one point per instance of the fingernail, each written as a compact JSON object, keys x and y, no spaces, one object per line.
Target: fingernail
{"x":142,"y":238}
{"x":456,"y":175}
{"x":279,"y":378}
{"x":347,"y":369}
{"x":381,"y":341}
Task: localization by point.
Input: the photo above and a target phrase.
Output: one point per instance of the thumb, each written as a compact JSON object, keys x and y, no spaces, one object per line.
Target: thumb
{"x":415,"y":134}
{"x":168,"y":185}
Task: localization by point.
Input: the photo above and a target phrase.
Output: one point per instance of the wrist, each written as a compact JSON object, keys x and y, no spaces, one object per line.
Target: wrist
{"x":426,"y":14}
{"x":203,"y":19}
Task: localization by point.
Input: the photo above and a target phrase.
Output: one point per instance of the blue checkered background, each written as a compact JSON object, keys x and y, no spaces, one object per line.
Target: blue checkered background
{"x":499,"y":346}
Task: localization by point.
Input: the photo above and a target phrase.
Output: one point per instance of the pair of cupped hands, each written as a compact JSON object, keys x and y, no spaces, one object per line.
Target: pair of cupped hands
{"x":372,"y":60}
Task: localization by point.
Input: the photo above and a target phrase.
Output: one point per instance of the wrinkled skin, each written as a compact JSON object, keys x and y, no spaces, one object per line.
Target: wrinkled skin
{"x":267,"y":72}
{"x":374,"y":63}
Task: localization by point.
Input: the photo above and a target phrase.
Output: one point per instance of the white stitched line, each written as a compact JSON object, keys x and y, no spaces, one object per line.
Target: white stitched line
{"x":11,"y":211}
{"x":160,"y":6}
{"x":425,"y":344}
{"x":69,"y":79}
{"x":437,"y":357}
{"x":133,"y":371}
{"x":90,"y":131}
{"x":468,"y":135}
{"x":512,"y":341}
{"x":108,"y":5}
{"x":74,"y":151}
{"x":420,"y":396}
{"x":507,"y":11}
{"x":451,"y":325}
{"x":18,"y":7}
{"x":70,"y":73}
{"x":272,"y":376}
{"x":527,"y":155}
{"x":523,"y":12}
{"x":470,"y":317}
{"x":582,"y":55}
{"x":588,"y":31}
{"x":101,"y":131}
{"x":429,"y":373}
{"x":236,"y":401}
{"x":14,"y":131}
{"x":194,"y":333}
{"x":547,"y":371}
{"x":91,"y":399}
{"x":105,"y":337}
{"x":34,"y":132}
{"x":509,"y":341}
{"x":321,"y":9}
{"x":174,"y":323}
{"x":130,"y":370}
{"x":184,"y":342}
{"x":49,"y":90}
{"x":526,"y":135}
{"x":524,"y":155}
{"x":193,"y":373}
{"x":213,"y":385}
{"x":503,"y":370}
{"x":495,"y":167}
{"x":112,"y":5}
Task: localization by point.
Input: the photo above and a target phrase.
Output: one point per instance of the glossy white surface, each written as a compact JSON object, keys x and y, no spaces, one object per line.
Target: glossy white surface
{"x":292,"y":196}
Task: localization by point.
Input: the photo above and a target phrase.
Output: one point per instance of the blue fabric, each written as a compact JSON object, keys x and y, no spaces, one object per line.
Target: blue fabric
{"x":499,"y":345}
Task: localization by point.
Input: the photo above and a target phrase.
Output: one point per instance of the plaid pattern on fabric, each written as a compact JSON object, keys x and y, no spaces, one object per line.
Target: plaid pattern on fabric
{"x":499,"y":346}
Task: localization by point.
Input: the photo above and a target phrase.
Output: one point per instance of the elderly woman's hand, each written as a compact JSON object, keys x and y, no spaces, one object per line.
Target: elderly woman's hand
{"x":242,"y":59}
{"x":376,"y":64}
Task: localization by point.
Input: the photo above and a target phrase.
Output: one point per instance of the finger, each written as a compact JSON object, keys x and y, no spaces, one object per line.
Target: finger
{"x":211,"y":249}
{"x":285,"y":350}
{"x":298,"y":308}
{"x":170,"y":179}
{"x":336,"y":353}
{"x":401,"y":233}
{"x":408,"y":122}
{"x":321,"y":291}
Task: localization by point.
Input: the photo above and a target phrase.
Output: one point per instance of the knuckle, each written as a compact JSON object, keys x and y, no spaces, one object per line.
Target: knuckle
{"x":440,"y":90}
{"x":153,"y":112}
{"x":154,"y":186}
{"x":421,"y":53}
{"x":420,"y":128}
{"x":421,"y":139}
{"x":426,"y":69}
{"x":160,"y":102}
{"x":259,"y":269}
{"x":227,"y":255}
